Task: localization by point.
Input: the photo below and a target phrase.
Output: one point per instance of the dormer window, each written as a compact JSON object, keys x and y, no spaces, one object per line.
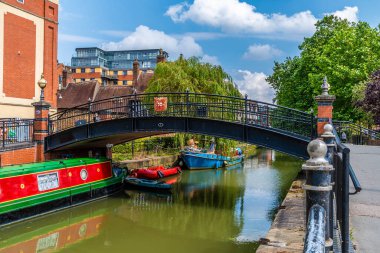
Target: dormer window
{"x":20,"y":1}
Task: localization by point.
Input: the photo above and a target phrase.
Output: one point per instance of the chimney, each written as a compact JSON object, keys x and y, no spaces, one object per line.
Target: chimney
{"x":161,"y":57}
{"x":136,"y":71}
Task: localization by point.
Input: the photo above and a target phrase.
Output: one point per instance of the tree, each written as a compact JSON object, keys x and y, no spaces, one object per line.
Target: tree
{"x":343,"y":51}
{"x":194,"y":75}
{"x":371,"y":101}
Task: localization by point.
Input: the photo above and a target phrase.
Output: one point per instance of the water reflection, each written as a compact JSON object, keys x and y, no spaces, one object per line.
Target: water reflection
{"x":208,"y":211}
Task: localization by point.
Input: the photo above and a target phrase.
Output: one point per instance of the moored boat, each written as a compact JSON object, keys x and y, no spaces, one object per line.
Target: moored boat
{"x":155,"y":172}
{"x":146,"y":184}
{"x":198,"y":160}
{"x":32,"y":189}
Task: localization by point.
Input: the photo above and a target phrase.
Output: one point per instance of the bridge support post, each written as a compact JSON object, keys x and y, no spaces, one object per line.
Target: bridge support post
{"x":318,"y":182}
{"x":40,"y":127}
{"x":325,"y":107}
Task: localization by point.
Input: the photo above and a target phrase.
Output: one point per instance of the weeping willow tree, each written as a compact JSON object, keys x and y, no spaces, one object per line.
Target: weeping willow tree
{"x":191,"y":74}
{"x":195,"y":76}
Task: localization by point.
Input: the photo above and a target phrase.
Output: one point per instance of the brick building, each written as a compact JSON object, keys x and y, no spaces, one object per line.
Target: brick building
{"x":114,"y":67}
{"x":28,"y":42}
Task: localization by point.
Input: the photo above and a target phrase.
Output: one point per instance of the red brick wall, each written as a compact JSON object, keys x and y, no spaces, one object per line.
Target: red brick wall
{"x":35,"y":6}
{"x":50,"y":63}
{"x":86,"y":75}
{"x":19,"y":156}
{"x":19,"y":56}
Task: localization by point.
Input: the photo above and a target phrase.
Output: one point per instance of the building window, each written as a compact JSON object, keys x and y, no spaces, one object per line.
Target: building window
{"x":92,"y":79}
{"x":20,"y":1}
{"x":92,"y":70}
{"x":125,"y":72}
{"x":114,"y":82}
{"x":83,"y":79}
{"x":83,"y":70}
{"x":125,"y":82}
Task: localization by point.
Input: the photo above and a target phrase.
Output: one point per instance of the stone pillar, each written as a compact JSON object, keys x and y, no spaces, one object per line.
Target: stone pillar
{"x":40,"y":127}
{"x":109,"y":151}
{"x":325,"y":107}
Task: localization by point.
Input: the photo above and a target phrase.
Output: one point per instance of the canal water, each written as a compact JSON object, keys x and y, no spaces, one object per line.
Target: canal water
{"x":225,"y":210}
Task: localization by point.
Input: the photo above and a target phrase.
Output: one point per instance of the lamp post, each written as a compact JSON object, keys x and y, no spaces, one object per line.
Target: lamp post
{"x":42,"y":84}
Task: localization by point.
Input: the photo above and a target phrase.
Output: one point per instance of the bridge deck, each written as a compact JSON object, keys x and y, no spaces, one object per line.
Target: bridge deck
{"x":365,"y":206}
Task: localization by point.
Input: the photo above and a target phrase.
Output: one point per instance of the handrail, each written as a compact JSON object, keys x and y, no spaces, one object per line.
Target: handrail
{"x":353,"y":177}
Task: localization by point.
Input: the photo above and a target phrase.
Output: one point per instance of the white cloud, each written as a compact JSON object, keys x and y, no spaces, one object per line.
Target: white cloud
{"x":240,"y":17}
{"x":144,"y":37}
{"x":349,"y":13}
{"x":255,"y":85}
{"x":261,"y":52}
{"x":236,"y":17}
{"x":76,"y":38}
{"x":210,"y":59}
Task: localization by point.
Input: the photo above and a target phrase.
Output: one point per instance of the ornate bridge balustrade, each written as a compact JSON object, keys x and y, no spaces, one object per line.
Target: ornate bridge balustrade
{"x":141,"y":115}
{"x":189,"y":105}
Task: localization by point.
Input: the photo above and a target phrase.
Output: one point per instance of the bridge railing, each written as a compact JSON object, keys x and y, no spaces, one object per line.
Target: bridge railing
{"x":15,"y":132}
{"x":190,"y":105}
{"x":356,"y":134}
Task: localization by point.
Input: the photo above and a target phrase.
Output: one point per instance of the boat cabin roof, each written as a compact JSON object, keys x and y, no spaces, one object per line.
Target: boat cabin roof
{"x":20,"y":169}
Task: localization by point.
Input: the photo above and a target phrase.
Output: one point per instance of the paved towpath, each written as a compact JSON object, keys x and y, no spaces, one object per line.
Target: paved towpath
{"x":365,"y":206}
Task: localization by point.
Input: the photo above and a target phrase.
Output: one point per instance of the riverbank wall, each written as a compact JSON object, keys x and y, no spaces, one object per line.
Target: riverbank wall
{"x":147,"y":162}
{"x":287,"y":232}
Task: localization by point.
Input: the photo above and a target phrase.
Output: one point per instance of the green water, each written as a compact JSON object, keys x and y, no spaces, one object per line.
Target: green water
{"x":209,"y":211}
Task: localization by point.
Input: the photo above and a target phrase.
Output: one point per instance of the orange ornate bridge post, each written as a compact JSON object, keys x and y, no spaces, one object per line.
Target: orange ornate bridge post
{"x":40,"y":127}
{"x":325,"y":107}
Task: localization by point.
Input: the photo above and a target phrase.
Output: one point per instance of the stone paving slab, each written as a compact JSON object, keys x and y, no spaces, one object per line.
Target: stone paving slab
{"x":365,"y":205}
{"x":287,"y":232}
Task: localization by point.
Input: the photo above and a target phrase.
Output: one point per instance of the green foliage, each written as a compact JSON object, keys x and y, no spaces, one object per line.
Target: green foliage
{"x":347,"y":53}
{"x":194,"y":75}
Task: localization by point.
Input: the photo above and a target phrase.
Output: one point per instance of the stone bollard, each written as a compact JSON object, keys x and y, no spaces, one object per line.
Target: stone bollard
{"x":329,"y":139}
{"x":318,"y":182}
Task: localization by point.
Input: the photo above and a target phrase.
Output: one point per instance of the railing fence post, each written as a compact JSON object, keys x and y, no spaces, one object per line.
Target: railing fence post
{"x":318,"y":182}
{"x":345,"y":201}
{"x":187,"y":102}
{"x":3,"y":134}
{"x":328,"y":138}
{"x":245,"y":109}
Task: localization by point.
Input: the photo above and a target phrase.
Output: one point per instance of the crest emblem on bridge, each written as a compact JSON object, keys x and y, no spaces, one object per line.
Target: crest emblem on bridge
{"x":160,"y":104}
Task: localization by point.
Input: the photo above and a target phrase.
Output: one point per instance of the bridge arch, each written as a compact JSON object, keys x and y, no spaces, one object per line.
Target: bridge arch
{"x":127,"y":118}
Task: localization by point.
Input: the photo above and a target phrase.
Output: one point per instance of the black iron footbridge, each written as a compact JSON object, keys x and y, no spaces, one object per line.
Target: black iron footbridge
{"x":121,"y":119}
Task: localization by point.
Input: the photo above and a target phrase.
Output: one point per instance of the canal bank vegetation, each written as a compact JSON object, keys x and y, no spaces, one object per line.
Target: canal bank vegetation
{"x":171,"y":144}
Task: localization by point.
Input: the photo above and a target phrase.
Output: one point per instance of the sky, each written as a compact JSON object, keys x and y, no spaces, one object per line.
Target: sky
{"x":244,"y":37}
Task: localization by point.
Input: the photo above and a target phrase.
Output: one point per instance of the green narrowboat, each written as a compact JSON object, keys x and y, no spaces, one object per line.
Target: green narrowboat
{"x":28,"y":190}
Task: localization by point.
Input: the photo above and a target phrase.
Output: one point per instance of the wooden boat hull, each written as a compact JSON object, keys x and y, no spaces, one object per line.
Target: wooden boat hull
{"x":195,"y":160}
{"x":33,"y":189}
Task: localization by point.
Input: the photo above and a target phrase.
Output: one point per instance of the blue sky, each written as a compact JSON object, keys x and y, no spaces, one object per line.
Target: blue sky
{"x":244,"y":37}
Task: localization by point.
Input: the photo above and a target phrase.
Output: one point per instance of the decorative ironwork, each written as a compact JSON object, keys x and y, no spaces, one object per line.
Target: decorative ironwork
{"x":15,"y":132}
{"x":190,"y":105}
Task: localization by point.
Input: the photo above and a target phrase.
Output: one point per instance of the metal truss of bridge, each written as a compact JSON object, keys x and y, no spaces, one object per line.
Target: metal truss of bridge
{"x":121,"y":119}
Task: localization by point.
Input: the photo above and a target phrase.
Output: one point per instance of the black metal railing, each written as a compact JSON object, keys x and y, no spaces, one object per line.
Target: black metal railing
{"x":192,"y":105}
{"x":355,"y":134}
{"x":14,"y":132}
